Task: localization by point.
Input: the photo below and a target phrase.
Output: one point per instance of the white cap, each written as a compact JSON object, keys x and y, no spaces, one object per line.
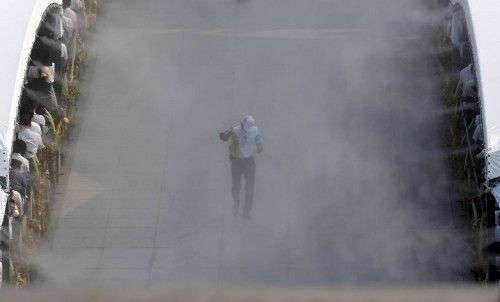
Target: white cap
{"x":248,"y":122}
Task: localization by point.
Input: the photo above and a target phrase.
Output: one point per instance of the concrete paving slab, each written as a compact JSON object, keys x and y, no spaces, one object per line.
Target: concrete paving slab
{"x":322,"y":277}
{"x":79,"y":238}
{"x":169,"y":237}
{"x":252,"y":277}
{"x":97,"y":212}
{"x":147,"y":181}
{"x":88,"y":258}
{"x":78,"y":278}
{"x":82,"y":222}
{"x":121,"y":278}
{"x":137,"y":217}
{"x":137,"y":199}
{"x":184,"y":278}
{"x":126,"y":258}
{"x":188,"y":253}
{"x":87,"y":199}
{"x":129,"y":167}
{"x":129,"y":237}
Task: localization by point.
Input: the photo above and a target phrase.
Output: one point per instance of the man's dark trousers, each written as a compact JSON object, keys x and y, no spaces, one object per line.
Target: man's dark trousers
{"x":243,"y":167}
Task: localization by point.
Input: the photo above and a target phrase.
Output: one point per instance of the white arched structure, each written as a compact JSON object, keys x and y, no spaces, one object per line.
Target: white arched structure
{"x":19,"y":24}
{"x":483,"y":21}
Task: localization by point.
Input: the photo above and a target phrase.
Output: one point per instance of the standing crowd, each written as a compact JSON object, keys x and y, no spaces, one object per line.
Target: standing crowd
{"x":49,"y":94}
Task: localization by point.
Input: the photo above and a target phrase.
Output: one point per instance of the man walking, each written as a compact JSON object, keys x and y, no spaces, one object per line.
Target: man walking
{"x":245,"y":142}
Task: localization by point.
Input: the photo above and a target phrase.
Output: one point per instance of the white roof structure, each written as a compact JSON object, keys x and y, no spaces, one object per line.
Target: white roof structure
{"x":19,"y":25}
{"x":483,"y":18}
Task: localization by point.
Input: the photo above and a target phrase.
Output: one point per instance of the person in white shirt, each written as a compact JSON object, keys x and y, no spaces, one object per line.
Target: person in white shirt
{"x":18,"y":151}
{"x":245,"y":142}
{"x":71,"y":14}
{"x":36,"y":128}
{"x":15,"y":211}
{"x":18,"y":200}
{"x":25,"y":164}
{"x":32,"y":107}
{"x":41,"y":80}
{"x":29,"y":107}
{"x":32,"y":139}
{"x":39,"y":119}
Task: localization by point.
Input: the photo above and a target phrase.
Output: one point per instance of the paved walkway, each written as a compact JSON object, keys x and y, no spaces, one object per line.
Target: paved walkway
{"x":351,"y":187}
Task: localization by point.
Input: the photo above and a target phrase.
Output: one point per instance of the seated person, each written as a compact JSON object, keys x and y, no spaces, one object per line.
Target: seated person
{"x":32,"y":139}
{"x":13,"y":209}
{"x":15,"y":220}
{"x":37,"y":120}
{"x":40,"y":121}
{"x":18,"y":151}
{"x":42,"y":92}
{"x":19,"y":180}
{"x":28,"y":107}
{"x":18,"y":200}
{"x":41,"y":71}
{"x":40,"y":118}
{"x":14,"y":212}
{"x":34,"y":126}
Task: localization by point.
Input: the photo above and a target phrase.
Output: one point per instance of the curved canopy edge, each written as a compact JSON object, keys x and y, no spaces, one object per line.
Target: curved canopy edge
{"x":483,"y":23}
{"x":20,"y":21}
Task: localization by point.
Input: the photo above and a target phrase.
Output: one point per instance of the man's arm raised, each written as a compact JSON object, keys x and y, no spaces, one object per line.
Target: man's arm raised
{"x":224,"y":136}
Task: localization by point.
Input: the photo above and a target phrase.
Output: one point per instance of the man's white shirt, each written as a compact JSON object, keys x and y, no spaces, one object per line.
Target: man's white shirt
{"x":247,"y":141}
{"x":36,"y":128}
{"x":25,"y":164}
{"x":32,"y":139}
